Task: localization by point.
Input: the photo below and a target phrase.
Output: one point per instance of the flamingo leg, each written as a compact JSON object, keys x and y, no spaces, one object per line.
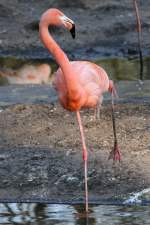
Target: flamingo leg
{"x":85,"y":158}
{"x":97,"y":110}
{"x":115,"y":154}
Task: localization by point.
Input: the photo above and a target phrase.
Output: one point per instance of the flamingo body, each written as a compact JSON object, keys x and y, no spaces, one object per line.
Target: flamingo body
{"x":93,"y":82}
{"x":79,"y":83}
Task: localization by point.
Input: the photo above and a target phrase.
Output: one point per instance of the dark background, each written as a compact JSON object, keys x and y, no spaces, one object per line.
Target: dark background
{"x":106,"y":27}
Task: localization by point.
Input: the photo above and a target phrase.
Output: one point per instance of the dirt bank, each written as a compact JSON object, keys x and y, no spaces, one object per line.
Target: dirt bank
{"x":40,"y":153}
{"x":104,"y":28}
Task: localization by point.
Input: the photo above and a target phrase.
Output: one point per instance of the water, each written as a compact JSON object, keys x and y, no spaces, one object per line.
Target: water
{"x":117,"y":68}
{"x":124,"y":69}
{"x":138,"y":197}
{"x":44,"y":214}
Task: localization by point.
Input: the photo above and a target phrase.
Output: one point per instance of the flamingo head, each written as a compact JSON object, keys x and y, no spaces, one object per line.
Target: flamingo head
{"x":57,"y":18}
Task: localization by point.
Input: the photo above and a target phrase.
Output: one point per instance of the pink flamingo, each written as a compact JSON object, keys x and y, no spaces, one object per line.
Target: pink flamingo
{"x":79,"y":83}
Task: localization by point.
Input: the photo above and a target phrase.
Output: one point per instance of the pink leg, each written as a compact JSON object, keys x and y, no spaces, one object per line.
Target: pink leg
{"x":85,"y":158}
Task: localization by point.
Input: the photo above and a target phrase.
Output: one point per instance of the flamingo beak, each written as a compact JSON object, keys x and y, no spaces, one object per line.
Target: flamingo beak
{"x":72,"y":31}
{"x":68,"y":23}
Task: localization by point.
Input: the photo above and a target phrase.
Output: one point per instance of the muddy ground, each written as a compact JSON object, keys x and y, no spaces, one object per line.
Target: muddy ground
{"x":40,"y":153}
{"x":104,"y":28}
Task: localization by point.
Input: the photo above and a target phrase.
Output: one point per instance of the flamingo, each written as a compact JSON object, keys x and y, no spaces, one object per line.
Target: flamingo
{"x":79,"y":84}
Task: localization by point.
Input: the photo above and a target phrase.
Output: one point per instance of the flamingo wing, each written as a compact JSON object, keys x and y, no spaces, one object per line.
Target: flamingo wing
{"x":92,"y":78}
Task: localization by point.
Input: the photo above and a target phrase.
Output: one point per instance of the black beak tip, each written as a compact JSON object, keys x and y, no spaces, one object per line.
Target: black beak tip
{"x":72,"y":31}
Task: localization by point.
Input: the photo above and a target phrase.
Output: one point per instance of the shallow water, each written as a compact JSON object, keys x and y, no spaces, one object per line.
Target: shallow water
{"x":15,"y":213}
{"x":124,"y":69}
{"x":117,"y":68}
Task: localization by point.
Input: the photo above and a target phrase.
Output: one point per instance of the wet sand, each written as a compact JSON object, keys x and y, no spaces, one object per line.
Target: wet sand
{"x":41,"y":155}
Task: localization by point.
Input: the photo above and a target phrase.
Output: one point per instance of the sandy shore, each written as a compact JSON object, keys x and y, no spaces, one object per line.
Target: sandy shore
{"x":40,"y":153}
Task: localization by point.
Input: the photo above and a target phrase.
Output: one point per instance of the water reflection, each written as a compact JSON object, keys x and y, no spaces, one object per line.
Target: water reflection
{"x":43,"y":214}
{"x":21,"y":71}
{"x":123,"y":69}
{"x":24,"y":71}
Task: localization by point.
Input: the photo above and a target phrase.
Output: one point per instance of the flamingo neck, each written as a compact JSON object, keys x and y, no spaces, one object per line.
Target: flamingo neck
{"x":60,"y":57}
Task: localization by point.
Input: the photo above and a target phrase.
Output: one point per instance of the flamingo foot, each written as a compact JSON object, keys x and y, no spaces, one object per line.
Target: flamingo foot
{"x":115,"y":153}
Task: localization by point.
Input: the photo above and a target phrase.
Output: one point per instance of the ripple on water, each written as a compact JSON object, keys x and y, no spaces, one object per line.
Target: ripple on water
{"x":138,"y":197}
{"x":71,"y":215}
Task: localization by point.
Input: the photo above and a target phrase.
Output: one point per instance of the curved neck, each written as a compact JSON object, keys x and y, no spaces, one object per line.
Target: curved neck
{"x":60,"y":57}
